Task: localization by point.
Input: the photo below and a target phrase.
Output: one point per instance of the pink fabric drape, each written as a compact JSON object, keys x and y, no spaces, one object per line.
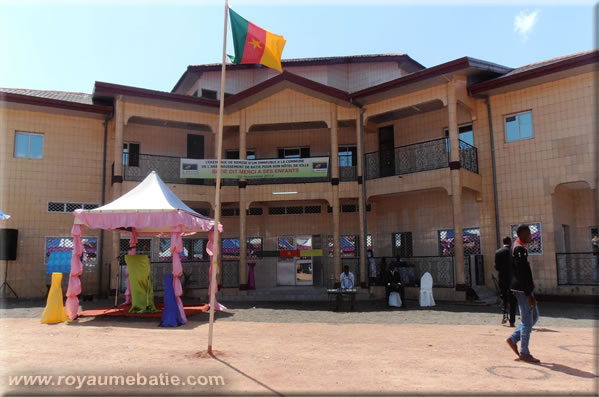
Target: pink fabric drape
{"x":211,"y":251}
{"x":132,"y":248}
{"x":176,"y":248}
{"x":72,"y":303}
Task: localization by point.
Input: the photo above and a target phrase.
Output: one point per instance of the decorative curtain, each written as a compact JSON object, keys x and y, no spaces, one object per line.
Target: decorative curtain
{"x":132,"y":246}
{"x":176,"y":248}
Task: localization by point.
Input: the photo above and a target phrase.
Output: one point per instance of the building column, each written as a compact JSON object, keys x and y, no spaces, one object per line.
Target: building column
{"x":361,"y":213}
{"x":243,"y":267}
{"x":117,"y":181}
{"x":335,"y":186}
{"x":456,"y":185}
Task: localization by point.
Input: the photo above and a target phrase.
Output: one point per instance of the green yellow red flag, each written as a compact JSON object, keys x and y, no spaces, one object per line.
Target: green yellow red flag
{"x":255,"y":45}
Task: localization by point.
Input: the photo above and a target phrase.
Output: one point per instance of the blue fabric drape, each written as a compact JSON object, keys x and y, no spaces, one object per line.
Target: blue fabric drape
{"x":171,"y":317}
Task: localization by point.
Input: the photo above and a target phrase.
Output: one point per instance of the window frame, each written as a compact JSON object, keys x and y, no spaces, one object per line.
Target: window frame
{"x":127,"y":155}
{"x":28,"y":135}
{"x":353,"y":155}
{"x":517,"y":115}
{"x":540,"y":230}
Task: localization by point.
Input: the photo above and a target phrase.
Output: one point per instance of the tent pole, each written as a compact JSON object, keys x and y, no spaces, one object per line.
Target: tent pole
{"x":216,"y":242}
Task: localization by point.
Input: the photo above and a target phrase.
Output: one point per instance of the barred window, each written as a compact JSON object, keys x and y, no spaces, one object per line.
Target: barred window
{"x":295,"y":210}
{"x":229,"y":211}
{"x":255,"y":211}
{"x":254,"y":246}
{"x":65,"y":244}
{"x":446,"y":243}
{"x":472,"y":241}
{"x":312,"y":209}
{"x":349,"y":208}
{"x":202,"y":211}
{"x":349,"y":245}
{"x":286,"y":243}
{"x":143,"y":247}
{"x":57,"y":206}
{"x":536,"y":245}
{"x":402,"y":244}
{"x":369,"y":241}
{"x":193,"y":250}
{"x":230,"y":248}
{"x":276,"y":211}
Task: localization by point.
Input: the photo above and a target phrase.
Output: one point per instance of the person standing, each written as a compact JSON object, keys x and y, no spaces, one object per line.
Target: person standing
{"x":393,"y":283}
{"x":523,"y":289}
{"x":503,"y":265}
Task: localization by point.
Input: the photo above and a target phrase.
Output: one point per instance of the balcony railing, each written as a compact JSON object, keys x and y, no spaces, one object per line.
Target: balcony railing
{"x":469,"y":157}
{"x":580,"y":268}
{"x":169,"y":168}
{"x":418,"y":157}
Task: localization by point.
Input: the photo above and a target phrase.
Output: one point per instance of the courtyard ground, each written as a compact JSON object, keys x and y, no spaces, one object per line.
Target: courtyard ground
{"x":294,"y":348}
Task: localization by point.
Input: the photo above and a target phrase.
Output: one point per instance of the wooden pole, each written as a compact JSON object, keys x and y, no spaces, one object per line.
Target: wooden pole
{"x":216,"y":242}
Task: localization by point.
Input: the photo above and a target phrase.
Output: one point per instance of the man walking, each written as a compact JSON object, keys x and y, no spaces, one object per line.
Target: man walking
{"x":503,"y":265}
{"x":522,"y":288}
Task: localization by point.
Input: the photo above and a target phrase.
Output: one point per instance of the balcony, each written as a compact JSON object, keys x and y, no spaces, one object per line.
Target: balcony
{"x":418,"y":157}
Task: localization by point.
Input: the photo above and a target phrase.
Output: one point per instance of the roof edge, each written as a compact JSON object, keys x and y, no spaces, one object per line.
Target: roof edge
{"x":559,"y":66}
{"x":434,"y":71}
{"x":117,"y":89}
{"x":57,"y":103}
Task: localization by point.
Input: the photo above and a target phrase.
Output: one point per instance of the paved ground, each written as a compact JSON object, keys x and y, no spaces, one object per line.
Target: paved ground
{"x":283,"y":348}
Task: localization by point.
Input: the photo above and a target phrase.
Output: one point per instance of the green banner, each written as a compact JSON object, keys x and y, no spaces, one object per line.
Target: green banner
{"x":313,"y":167}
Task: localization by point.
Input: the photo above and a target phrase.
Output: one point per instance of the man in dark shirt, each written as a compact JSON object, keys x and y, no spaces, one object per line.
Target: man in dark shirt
{"x":393,"y":283}
{"x":522,"y":288}
{"x":503,"y":265}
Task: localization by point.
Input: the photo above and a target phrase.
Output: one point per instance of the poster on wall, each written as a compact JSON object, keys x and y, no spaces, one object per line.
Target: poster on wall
{"x":313,"y":167}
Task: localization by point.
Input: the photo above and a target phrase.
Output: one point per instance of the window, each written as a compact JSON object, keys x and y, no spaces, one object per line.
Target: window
{"x":536,"y":245}
{"x":229,"y":212}
{"x":446,"y":243}
{"x":350,"y":246}
{"x":56,"y":206}
{"x":230,"y":248}
{"x":347,"y":156}
{"x":472,"y":241}
{"x":208,"y":94}
{"x":131,"y":154}
{"x":466,"y":134}
{"x":294,"y":153}
{"x":518,"y":126}
{"x":234,"y":154}
{"x":402,"y":244}
{"x":29,"y":146}
{"x":369,"y":241}
{"x":349,"y":208}
{"x":193,"y":250}
{"x":255,"y":211}
{"x":254,"y":246}
{"x":65,"y":244}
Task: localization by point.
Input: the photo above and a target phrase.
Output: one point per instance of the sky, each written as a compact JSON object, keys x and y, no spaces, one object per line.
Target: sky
{"x":69,"y":45}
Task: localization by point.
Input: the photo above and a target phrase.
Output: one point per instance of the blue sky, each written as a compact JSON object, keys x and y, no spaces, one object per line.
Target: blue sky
{"x":69,"y":45}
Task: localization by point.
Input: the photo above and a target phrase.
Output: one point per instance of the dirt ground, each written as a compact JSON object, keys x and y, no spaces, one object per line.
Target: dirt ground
{"x":285,"y":348}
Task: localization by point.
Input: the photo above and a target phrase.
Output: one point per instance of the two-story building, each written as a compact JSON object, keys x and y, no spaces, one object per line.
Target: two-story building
{"x":433,"y":165}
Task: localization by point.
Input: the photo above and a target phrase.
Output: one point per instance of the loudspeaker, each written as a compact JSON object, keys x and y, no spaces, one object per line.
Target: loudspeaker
{"x":8,"y":244}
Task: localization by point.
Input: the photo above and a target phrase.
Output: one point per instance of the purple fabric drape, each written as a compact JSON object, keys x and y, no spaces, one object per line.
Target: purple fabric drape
{"x":132,"y":249}
{"x":251,"y":279}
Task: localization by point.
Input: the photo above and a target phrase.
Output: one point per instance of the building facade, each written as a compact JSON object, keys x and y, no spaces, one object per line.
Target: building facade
{"x":430,"y":165}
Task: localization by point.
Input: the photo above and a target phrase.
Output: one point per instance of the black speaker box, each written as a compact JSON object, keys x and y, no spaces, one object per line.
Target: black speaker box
{"x":8,"y":244}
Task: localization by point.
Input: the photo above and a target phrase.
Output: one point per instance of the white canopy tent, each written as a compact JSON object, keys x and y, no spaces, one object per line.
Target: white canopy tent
{"x":150,"y":209}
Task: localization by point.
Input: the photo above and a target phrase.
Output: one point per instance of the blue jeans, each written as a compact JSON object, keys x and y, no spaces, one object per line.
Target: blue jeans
{"x":528,"y":318}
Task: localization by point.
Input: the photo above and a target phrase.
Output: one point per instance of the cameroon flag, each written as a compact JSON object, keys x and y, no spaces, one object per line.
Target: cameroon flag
{"x":254,"y":44}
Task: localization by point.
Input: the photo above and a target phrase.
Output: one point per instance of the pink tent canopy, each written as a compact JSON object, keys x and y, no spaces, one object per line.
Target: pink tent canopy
{"x":150,"y":209}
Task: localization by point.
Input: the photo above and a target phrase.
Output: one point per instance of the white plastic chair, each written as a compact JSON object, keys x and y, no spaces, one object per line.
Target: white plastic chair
{"x":426,"y":290}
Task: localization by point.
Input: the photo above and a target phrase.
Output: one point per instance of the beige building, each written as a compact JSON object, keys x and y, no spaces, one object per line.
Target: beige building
{"x":415,"y":156}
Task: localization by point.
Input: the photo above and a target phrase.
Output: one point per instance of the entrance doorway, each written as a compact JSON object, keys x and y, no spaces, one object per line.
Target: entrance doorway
{"x":295,"y":270}
{"x":387,"y":151}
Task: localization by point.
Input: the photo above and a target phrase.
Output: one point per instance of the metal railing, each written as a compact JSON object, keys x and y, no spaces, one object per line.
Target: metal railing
{"x":577,"y":268}
{"x":168,"y":168}
{"x":418,"y":157}
{"x":195,"y":275}
{"x":468,"y":157}
{"x":411,"y":269}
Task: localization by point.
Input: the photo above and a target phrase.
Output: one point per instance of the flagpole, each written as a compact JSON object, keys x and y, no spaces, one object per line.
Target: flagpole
{"x":216,"y":237}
